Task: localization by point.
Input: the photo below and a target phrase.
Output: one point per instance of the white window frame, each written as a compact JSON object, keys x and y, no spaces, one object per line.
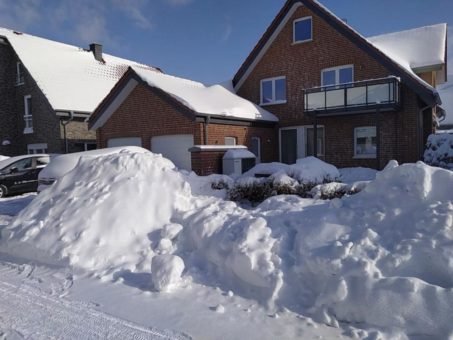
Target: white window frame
{"x":19,"y":76}
{"x":258,"y":157}
{"x":232,"y":138}
{"x":337,"y":73}
{"x":294,"y":30}
{"x":28,"y":116}
{"x":363,"y":156}
{"x":274,"y":101}
{"x":32,"y":149}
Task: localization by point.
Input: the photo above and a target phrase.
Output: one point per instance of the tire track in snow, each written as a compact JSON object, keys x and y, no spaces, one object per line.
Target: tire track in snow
{"x":30,"y":312}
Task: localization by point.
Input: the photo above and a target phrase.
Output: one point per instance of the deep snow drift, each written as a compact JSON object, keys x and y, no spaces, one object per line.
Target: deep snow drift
{"x":380,"y":258}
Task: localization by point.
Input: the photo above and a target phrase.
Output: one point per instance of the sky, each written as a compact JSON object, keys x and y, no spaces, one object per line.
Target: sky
{"x":204,"y":40}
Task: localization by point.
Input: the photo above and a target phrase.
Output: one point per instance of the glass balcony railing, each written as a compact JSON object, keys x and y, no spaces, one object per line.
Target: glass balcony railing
{"x":361,"y":95}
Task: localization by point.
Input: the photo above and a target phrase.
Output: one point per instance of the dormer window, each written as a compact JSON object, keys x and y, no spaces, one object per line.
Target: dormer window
{"x":303,"y":30}
{"x":19,"y":74}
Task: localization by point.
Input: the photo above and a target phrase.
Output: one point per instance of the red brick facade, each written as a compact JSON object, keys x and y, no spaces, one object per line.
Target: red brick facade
{"x":144,"y":114}
{"x":302,"y":64}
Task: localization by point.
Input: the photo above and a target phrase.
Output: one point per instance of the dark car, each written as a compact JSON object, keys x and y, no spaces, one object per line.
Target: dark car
{"x":19,"y":174}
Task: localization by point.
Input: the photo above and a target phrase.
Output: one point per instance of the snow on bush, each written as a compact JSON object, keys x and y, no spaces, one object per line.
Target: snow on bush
{"x":282,"y":179}
{"x":439,"y":151}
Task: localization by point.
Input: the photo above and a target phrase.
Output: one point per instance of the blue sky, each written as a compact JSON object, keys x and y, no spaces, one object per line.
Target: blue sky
{"x":205,"y":40}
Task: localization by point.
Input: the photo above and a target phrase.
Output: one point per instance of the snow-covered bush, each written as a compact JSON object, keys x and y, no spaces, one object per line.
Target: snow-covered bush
{"x":439,"y":151}
{"x":297,"y":179}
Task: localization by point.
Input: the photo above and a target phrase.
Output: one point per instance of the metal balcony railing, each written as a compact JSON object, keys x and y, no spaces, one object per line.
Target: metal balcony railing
{"x":352,"y":97}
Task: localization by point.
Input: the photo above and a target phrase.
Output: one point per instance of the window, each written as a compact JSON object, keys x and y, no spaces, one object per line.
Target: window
{"x":309,"y":146}
{"x":230,"y":140}
{"x":23,"y":164}
{"x":337,"y":75}
{"x":273,"y":91}
{"x":28,"y":118}
{"x":19,"y":74}
{"x":34,"y":149}
{"x":365,"y":142}
{"x":256,"y":148}
{"x":303,"y":30}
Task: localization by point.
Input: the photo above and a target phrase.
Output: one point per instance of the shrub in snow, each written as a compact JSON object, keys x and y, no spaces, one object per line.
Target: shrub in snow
{"x":166,"y":271}
{"x":298,"y":179}
{"x":439,"y":151}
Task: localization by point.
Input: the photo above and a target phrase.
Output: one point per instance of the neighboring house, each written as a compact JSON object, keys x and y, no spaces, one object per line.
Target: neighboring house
{"x":48,"y":90}
{"x":372,"y":100}
{"x":189,"y":123}
{"x":446,"y":94}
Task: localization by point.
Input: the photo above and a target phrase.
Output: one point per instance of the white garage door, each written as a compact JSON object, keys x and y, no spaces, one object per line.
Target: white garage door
{"x":129,"y":141}
{"x":175,"y":148}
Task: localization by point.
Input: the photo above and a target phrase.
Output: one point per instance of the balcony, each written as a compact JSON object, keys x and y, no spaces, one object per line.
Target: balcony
{"x":358,"y":97}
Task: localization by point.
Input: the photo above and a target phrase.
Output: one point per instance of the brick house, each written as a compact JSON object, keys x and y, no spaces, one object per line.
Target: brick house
{"x":189,"y":123}
{"x":352,"y":101}
{"x":47,"y":92}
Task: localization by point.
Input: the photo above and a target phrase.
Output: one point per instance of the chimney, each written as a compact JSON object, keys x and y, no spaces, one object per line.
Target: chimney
{"x":97,"y":51}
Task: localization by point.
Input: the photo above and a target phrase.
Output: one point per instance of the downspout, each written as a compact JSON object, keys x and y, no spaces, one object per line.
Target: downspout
{"x":419,"y":129}
{"x":64,"y":123}
{"x":206,"y":130}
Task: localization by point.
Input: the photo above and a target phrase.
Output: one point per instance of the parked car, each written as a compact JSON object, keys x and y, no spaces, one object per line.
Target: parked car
{"x":63,"y":164}
{"x":19,"y":174}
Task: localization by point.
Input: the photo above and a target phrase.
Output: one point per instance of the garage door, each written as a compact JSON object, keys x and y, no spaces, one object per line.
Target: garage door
{"x":175,"y":148}
{"x":129,"y":141}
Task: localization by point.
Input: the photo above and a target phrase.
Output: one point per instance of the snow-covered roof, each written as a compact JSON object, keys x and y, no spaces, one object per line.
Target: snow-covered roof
{"x":446,"y":95}
{"x":418,"y":48}
{"x":216,"y":100}
{"x":70,"y":77}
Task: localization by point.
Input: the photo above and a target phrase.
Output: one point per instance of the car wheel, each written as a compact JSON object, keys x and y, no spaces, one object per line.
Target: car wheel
{"x":3,"y":191}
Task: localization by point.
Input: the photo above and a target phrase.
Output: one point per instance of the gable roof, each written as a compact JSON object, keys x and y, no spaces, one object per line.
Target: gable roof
{"x":426,"y":92}
{"x":217,"y":101}
{"x":423,"y":48}
{"x":70,"y":77}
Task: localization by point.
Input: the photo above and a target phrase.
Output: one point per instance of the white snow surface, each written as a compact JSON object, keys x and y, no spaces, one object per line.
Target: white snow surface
{"x":216,"y":100}
{"x":380,"y":258}
{"x":238,"y":154}
{"x":306,"y":170}
{"x":415,"y":48}
{"x":69,"y":76}
{"x":351,"y":175}
{"x":2,"y":158}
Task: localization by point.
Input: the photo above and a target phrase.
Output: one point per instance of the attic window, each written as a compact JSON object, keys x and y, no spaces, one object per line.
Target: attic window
{"x":19,"y":74}
{"x":303,"y":30}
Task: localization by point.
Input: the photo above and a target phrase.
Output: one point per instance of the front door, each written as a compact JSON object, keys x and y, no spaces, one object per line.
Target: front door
{"x":289,"y":146}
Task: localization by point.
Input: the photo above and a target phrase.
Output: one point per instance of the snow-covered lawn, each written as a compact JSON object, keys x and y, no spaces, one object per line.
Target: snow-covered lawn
{"x":160,"y":248}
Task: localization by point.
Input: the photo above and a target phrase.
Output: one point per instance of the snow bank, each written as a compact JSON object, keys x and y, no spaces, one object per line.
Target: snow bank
{"x":2,"y":158}
{"x":101,"y":215}
{"x":381,"y":258}
{"x":439,"y":151}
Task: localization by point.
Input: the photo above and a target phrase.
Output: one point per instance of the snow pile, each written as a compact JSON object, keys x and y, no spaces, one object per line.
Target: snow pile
{"x":2,"y":158}
{"x":439,"y":151}
{"x":101,"y":215}
{"x":350,"y":175}
{"x":167,"y":271}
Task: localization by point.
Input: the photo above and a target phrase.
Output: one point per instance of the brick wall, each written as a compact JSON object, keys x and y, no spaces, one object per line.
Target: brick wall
{"x":302,"y":64}
{"x":145,"y":114}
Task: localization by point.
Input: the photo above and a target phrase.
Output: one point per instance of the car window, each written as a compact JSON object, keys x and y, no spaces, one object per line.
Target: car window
{"x":21,"y":165}
{"x":41,"y":162}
